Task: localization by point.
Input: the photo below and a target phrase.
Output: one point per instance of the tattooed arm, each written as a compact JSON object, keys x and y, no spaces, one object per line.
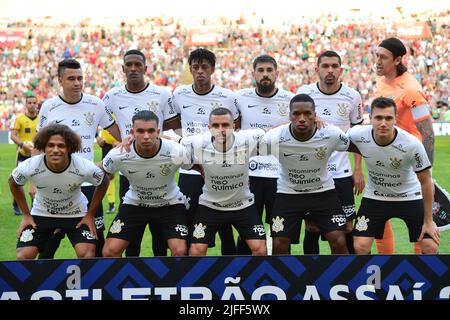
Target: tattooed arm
{"x":426,"y":130}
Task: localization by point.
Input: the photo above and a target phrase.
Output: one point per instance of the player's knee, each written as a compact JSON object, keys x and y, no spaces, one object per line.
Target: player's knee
{"x":280,"y":245}
{"x":108,"y":251}
{"x":196,"y":250}
{"x":23,"y":254}
{"x":428,"y":246}
{"x":260,"y":249}
{"x":86,"y":252}
{"x":361,"y":247}
{"x":178,"y":251}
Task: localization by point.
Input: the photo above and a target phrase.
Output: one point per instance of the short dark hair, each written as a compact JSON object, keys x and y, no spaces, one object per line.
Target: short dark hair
{"x":383,"y":103}
{"x":202,"y":54}
{"x":263,"y":59}
{"x":302,"y":98}
{"x":145,"y":115}
{"x":220,"y":112}
{"x":329,"y":54}
{"x":134,"y":51}
{"x":67,"y":64}
{"x":29,"y":96}
{"x":71,"y":138}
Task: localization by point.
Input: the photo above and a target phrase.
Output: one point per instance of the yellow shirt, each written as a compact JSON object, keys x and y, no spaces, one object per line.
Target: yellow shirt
{"x":109,"y":139}
{"x":26,"y":127}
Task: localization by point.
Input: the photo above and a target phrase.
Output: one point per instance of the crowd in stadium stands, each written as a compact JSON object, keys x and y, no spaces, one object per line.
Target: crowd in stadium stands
{"x":31,"y":65}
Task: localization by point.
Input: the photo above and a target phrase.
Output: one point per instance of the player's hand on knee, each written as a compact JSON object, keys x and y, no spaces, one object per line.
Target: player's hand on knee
{"x":27,"y":220}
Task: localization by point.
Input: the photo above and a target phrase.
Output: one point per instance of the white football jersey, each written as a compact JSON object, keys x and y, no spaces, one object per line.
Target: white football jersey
{"x":58,"y":194}
{"x":194,"y":109}
{"x":226,"y":185}
{"x":125,"y":104}
{"x":391,"y":168}
{"x":303,"y":164}
{"x":83,"y":117}
{"x":152,"y":180}
{"x":263,"y":112}
{"x":342,"y":109}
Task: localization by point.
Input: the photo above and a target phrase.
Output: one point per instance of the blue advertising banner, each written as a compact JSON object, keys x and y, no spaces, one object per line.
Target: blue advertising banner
{"x":372,"y":277}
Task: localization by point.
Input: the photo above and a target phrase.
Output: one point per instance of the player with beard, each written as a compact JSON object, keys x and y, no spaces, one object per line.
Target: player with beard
{"x":263,"y":107}
{"x":340,"y":105}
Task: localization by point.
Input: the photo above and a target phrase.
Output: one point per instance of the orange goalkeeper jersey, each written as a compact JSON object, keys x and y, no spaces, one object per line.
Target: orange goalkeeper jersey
{"x":412,"y":106}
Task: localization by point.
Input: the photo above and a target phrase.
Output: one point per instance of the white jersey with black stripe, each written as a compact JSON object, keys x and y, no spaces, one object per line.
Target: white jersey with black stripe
{"x":343,"y":109}
{"x":263,"y":112}
{"x":391,"y":168}
{"x":58,"y":194}
{"x":125,"y":104}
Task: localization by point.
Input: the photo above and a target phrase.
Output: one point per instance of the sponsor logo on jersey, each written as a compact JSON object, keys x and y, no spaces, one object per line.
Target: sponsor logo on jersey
{"x":215,"y":105}
{"x":123,"y":107}
{"x":419,"y":162}
{"x":153,"y":106}
{"x":253,"y":165}
{"x":399,"y":147}
{"x":165,"y":169}
{"x":283,"y":109}
{"x":343,"y":110}
{"x":89,"y":118}
{"x":395,"y":163}
{"x":76,"y":123}
{"x":73,"y":187}
{"x":59,"y":121}
{"x":321,"y":153}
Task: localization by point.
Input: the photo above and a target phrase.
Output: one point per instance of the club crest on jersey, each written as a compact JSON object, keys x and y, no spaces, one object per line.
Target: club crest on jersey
{"x":361,"y":224}
{"x":342,"y":110}
{"x":215,"y":105}
{"x":165,"y":169}
{"x":199,"y":231}
{"x":153,"y":106}
{"x":27,"y":235}
{"x":89,"y":118}
{"x":277,"y":224}
{"x":116,"y":227}
{"x":395,"y":163}
{"x":282,"y":109}
{"x":73,"y":187}
{"x":321,"y":152}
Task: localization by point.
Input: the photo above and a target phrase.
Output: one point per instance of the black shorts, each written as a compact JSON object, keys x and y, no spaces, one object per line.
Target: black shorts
{"x":207,"y":221}
{"x":373,"y":214}
{"x":264,"y":190}
{"x":131,"y":220}
{"x":88,"y":191}
{"x":344,"y":188}
{"x":47,"y":226}
{"x":290,"y":209}
{"x":191,"y":186}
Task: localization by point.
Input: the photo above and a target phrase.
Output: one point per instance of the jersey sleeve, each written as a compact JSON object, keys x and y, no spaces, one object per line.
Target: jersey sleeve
{"x":302,"y":89}
{"x":233,"y":106}
{"x":420,"y":159}
{"x":167,"y":105}
{"x":175,"y":102}
{"x":43,"y":116}
{"x":356,"y":114}
{"x":107,"y":102}
{"x":418,"y":104}
{"x":110,"y":162}
{"x":94,"y":175}
{"x":106,"y":118}
{"x":21,"y":174}
{"x":342,"y":141}
{"x":269,"y":143}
